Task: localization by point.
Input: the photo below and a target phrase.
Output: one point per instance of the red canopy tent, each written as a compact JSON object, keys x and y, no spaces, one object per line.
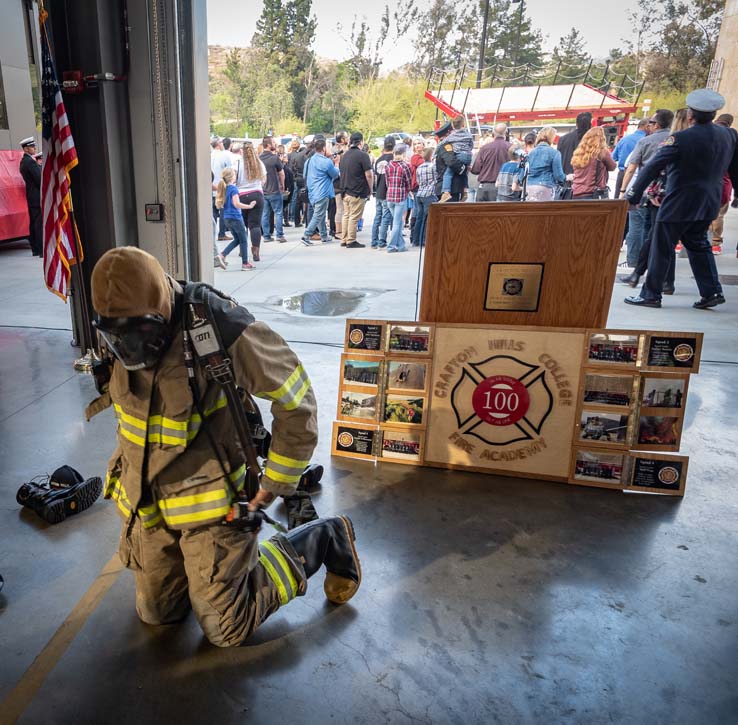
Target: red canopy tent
{"x":488,"y":99}
{"x":13,"y":207}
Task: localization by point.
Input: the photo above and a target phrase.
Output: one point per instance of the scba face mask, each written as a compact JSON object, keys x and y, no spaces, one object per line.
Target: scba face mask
{"x":138,"y":342}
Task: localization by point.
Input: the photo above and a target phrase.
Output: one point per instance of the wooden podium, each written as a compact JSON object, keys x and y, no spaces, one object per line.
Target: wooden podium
{"x":550,"y":264}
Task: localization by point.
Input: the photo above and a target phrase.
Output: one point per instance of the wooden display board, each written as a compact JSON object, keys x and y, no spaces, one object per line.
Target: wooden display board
{"x":548,"y":264}
{"x":589,"y":407}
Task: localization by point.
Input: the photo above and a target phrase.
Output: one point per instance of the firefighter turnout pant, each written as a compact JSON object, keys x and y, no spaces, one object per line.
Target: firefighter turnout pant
{"x":232,"y":581}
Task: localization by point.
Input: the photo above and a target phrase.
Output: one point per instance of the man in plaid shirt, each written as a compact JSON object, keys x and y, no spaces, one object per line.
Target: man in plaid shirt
{"x":425,"y":195}
{"x":399,"y":179}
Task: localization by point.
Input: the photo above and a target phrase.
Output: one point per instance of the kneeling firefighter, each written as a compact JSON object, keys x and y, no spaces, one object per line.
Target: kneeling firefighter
{"x":184,"y":480}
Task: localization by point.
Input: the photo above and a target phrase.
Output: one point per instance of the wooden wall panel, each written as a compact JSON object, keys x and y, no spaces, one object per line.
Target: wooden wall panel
{"x":577,"y":241}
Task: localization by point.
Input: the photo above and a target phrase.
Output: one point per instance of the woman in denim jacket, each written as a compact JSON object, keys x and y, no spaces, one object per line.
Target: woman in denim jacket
{"x":544,"y":167}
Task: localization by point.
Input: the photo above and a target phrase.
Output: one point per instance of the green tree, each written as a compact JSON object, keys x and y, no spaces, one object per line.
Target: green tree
{"x":367,"y":46}
{"x":447,"y":36}
{"x":394,"y":103}
{"x":572,"y":56}
{"x":513,"y":49}
{"x":285,"y":32}
{"x":270,"y":28}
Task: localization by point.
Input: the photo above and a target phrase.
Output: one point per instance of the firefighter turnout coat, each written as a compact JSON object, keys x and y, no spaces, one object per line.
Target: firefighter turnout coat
{"x":164,"y":469}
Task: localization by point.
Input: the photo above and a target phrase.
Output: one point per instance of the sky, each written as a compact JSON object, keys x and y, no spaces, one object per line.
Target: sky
{"x":603,"y":23}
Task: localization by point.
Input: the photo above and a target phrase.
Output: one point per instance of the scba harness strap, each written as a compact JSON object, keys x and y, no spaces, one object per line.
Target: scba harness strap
{"x":201,"y":332}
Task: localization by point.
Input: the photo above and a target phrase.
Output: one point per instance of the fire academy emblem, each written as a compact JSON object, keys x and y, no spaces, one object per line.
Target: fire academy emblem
{"x":501,"y":400}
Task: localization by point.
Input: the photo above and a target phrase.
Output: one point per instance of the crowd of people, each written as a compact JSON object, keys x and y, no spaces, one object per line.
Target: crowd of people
{"x":324,"y":184}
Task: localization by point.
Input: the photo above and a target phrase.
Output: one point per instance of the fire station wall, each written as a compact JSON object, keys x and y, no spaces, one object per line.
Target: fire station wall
{"x":165,"y":171}
{"x":727,"y":50}
{"x":16,"y":78}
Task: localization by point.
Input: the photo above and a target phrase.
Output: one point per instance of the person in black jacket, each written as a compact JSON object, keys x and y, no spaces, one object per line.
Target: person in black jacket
{"x":446,"y":158}
{"x":296,"y":163}
{"x":568,"y":143}
{"x":31,"y":173}
{"x":697,"y":158}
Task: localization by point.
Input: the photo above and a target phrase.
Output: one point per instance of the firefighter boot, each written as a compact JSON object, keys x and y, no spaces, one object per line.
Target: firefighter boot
{"x":54,"y":502}
{"x":330,"y":542}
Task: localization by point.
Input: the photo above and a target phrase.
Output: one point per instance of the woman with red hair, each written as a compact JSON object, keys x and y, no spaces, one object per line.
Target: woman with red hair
{"x":592,"y":163}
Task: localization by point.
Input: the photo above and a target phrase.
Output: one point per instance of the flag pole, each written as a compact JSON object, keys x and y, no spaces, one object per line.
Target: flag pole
{"x":77,"y":286}
{"x":83,"y":364}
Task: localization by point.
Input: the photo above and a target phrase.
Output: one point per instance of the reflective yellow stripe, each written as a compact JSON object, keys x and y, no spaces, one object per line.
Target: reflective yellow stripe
{"x":274,"y":576}
{"x":182,"y":501}
{"x":196,"y":516}
{"x":167,"y":430}
{"x":167,"y":422}
{"x":281,"y":477}
{"x":283,"y":469}
{"x":135,"y":422}
{"x":286,"y":386}
{"x":163,"y":438}
{"x":138,"y":440}
{"x":298,"y":397}
{"x":286,"y":461}
{"x":284,"y":566}
{"x":221,"y":402}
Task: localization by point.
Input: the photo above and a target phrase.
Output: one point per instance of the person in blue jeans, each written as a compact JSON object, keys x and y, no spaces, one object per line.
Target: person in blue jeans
{"x":425,"y":195}
{"x":319,"y":175}
{"x":273,"y":189}
{"x":399,"y":182}
{"x":382,"y":214}
{"x":544,"y":167}
{"x":226,"y":199}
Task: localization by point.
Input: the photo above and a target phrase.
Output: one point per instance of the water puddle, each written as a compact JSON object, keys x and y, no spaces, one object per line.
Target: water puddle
{"x":326,"y":302}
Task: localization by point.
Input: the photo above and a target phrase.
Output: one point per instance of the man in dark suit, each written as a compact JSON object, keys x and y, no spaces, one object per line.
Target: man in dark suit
{"x":31,"y":173}
{"x":446,"y":158}
{"x":696,"y":159}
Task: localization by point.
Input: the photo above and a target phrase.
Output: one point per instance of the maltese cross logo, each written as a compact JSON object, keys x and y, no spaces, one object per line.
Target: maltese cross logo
{"x":501,"y":400}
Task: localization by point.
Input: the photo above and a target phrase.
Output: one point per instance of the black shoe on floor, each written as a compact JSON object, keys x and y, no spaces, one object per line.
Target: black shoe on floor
{"x":53,"y":503}
{"x":666,"y":290}
{"x":629,"y":279}
{"x":355,"y":245}
{"x":704,"y":303}
{"x":286,"y":224}
{"x":640,"y":302}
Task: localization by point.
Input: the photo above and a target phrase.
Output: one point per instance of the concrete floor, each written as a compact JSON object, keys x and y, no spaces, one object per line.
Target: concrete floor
{"x":485,"y":599}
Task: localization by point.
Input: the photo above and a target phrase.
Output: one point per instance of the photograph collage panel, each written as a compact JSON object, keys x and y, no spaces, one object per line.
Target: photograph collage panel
{"x":611,"y":390}
{"x":404,"y":409}
{"x":361,"y":370}
{"x":658,"y":432}
{"x":677,"y":350}
{"x":602,"y":469}
{"x":406,"y":374}
{"x":658,"y":474}
{"x":366,"y":335}
{"x":409,"y":339}
{"x":613,"y":349}
{"x":401,"y":446}
{"x":354,"y":440}
{"x":602,"y":427}
{"x":359,"y":405}
{"x":661,"y":392}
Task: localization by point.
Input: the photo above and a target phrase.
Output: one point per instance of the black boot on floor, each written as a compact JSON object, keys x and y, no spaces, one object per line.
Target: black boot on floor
{"x":330,"y":542}
{"x":65,"y":493}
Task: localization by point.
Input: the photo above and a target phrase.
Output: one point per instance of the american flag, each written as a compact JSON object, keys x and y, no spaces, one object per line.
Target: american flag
{"x":60,"y":157}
